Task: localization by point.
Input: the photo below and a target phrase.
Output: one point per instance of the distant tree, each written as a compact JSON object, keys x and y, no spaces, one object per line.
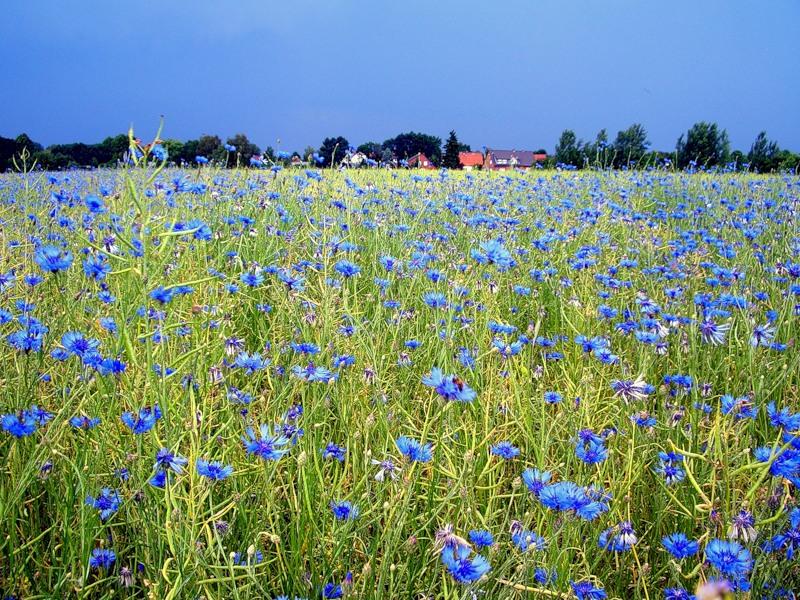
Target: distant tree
{"x":788,"y":161}
{"x":308,"y":154}
{"x":372,"y":150}
{"x":569,"y":149}
{"x":174,"y":150}
{"x":451,"y":150}
{"x":630,"y":146}
{"x":763,"y":155}
{"x":705,"y":144}
{"x":599,"y":152}
{"x":245,"y":149}
{"x":409,"y":144}
{"x":738,"y":158}
{"x":333,"y":150}
{"x":209,"y":146}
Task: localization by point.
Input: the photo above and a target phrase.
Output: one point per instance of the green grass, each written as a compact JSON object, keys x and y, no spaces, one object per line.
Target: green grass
{"x":282,"y":508}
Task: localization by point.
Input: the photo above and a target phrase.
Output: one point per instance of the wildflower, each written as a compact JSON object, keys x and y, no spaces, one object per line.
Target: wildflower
{"x":267,"y":446}
{"x":347,"y":269}
{"x":167,"y":460}
{"x":52,"y":260}
{"x":535,"y":480}
{"x":505,"y":450}
{"x":250,"y":363}
{"x":464,"y":568}
{"x":552,"y":397}
{"x":333,"y":451}
{"x":481,"y":538}
{"x":414,"y":450}
{"x":619,"y":538}
{"x":729,"y":558}
{"x":386,"y":467}
{"x":680,"y":546}
{"x":144,"y":421}
{"x":449,"y":387}
{"x":102,"y":559}
{"x":742,"y":527}
{"x":215,"y":471}
{"x":107,"y":502}
{"x":344,"y":511}
{"x":586,"y":590}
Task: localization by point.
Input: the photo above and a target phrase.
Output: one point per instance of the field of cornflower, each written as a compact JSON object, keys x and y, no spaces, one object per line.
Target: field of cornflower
{"x":398,"y":384}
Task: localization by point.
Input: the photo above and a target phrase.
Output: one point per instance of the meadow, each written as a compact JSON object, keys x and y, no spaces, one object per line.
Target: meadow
{"x":398,"y":384}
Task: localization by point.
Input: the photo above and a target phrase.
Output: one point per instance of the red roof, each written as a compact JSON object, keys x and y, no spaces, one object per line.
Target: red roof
{"x":420,"y":161}
{"x":470,"y":159}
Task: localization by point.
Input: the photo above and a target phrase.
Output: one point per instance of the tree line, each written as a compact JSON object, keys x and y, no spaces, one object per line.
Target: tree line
{"x":704,"y":145}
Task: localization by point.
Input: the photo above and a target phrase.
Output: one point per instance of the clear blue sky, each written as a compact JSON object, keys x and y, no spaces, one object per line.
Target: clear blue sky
{"x":506,"y":74}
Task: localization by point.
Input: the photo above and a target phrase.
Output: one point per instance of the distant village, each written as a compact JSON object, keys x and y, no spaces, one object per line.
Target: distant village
{"x":490,"y":159}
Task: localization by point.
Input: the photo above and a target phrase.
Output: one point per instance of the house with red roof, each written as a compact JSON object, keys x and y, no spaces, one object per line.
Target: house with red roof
{"x":470,"y":160}
{"x":419,"y":161}
{"x":501,"y":160}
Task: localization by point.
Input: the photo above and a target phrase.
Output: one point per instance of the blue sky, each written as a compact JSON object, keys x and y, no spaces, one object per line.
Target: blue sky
{"x":504,"y":74}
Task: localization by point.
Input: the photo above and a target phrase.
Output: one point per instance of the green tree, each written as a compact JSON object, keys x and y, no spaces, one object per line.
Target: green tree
{"x":569,"y":149}
{"x":245,"y":149}
{"x":451,"y":150}
{"x":409,"y":144}
{"x":704,"y":145}
{"x":763,"y":155}
{"x":210,"y":146}
{"x":373,"y":150}
{"x":630,"y":146}
{"x":333,"y":150}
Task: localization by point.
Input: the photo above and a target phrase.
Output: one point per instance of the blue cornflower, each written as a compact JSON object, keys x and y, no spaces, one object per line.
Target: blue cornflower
{"x":102,"y":558}
{"x":251,"y":279}
{"x":344,"y":511}
{"x":586,"y":590}
{"x":461,"y":566}
{"x":215,"y":471}
{"x":52,"y":259}
{"x":526,"y":540}
{"x":435,"y":299}
{"x":84,"y":422}
{"x":680,"y":546}
{"x":729,"y":558}
{"x":493,"y":253}
{"x":75,"y":343}
{"x":449,"y":387}
{"x":552,"y":397}
{"x":592,"y":451}
{"x":250,"y":362}
{"x":619,"y":538}
{"x":267,"y":446}
{"x":145,"y":420}
{"x":481,"y":538}
{"x":414,"y":450}
{"x":333,"y":451}
{"x":107,"y":502}
{"x":347,"y":268}
{"x":505,"y":450}
{"x":168,"y":460}
{"x":535,"y":480}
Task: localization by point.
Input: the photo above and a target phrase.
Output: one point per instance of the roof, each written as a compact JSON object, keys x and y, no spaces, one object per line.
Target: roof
{"x":419,"y":159}
{"x":470,"y":159}
{"x":518,"y":158}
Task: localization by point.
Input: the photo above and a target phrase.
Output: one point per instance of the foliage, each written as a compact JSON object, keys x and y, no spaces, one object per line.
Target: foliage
{"x":379,"y":384}
{"x":333,"y":150}
{"x":406,"y":145}
{"x":705,"y":145}
{"x":569,"y":150}
{"x":451,"y":149}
